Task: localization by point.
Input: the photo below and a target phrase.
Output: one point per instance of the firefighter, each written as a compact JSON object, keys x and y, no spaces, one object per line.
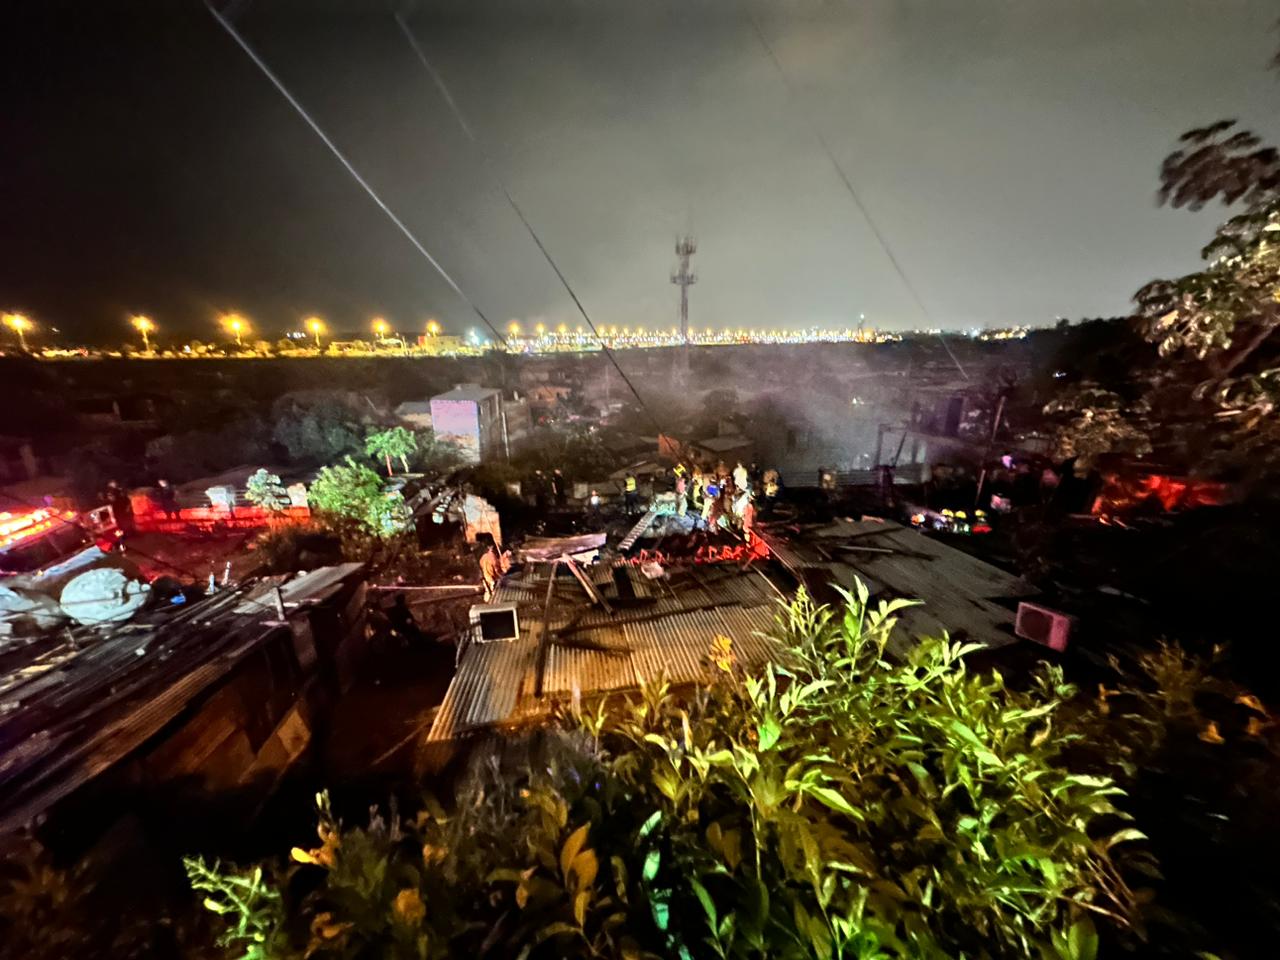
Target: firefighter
{"x":772,"y":483}
{"x":719,"y":509}
{"x":682,"y":495}
{"x":756,"y":548}
{"x":539,"y":492}
{"x":710,"y":497}
{"x":491,"y":569}
{"x":631,"y":495}
{"x":558,"y":489}
{"x":121,"y":506}
{"x":168,"y":499}
{"x":740,"y":478}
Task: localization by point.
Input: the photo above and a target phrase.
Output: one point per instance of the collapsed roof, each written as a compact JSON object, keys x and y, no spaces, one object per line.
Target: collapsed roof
{"x":651,"y":629}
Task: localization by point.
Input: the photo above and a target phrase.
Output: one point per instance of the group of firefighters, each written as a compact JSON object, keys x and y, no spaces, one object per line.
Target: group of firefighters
{"x":720,"y":497}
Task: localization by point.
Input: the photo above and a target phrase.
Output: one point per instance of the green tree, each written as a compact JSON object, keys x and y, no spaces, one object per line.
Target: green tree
{"x":321,"y":426}
{"x":435,"y":456}
{"x":1217,"y":327}
{"x":1097,"y":421}
{"x":396,"y":442}
{"x":267,"y":491}
{"x":1217,"y":330}
{"x":1214,"y":390}
{"x":352,"y":493}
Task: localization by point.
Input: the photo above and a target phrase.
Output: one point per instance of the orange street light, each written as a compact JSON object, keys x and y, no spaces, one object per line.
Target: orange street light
{"x":236,"y":325}
{"x":380,"y":327}
{"x":433,"y":328}
{"x":19,"y":324}
{"x":316,"y":326}
{"x":144,"y":326}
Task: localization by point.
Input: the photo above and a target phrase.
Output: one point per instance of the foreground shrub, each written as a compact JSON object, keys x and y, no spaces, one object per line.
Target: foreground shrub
{"x":836,"y":805}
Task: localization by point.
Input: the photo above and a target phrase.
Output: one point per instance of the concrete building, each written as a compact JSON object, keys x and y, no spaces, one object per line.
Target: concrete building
{"x":415,"y":414}
{"x":471,"y":417}
{"x":730,"y":449}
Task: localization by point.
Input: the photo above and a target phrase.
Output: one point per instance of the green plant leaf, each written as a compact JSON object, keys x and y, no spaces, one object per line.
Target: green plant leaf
{"x":1124,"y":836}
{"x":571,"y":848}
{"x":1082,"y":939}
{"x":836,"y":801}
{"x":708,"y":905}
{"x":557,"y":929}
{"x":584,"y":869}
{"x":768,"y":732}
{"x":981,"y":751}
{"x":652,"y":861}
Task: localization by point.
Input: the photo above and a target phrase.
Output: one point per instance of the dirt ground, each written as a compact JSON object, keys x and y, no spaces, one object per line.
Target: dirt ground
{"x":192,"y":556}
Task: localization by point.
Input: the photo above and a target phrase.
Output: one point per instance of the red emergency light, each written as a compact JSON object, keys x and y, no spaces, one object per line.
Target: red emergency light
{"x":16,"y":528}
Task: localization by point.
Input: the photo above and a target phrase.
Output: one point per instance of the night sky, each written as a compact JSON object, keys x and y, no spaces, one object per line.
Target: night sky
{"x":1007,"y":150}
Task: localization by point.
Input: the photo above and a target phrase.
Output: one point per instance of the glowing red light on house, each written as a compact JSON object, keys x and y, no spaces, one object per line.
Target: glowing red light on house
{"x":17,"y":528}
{"x":705,"y":553}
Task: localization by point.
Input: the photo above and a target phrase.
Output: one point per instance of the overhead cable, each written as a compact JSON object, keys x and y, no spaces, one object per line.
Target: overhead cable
{"x":852,"y":191}
{"x":230,"y":28}
{"x":492,"y":168}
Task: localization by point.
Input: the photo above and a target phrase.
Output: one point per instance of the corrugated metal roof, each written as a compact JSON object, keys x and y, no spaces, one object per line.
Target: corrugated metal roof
{"x":466,"y":391}
{"x":723,"y":443}
{"x":485,"y":688}
{"x":957,"y":589}
{"x":312,"y":585}
{"x":666,"y":634}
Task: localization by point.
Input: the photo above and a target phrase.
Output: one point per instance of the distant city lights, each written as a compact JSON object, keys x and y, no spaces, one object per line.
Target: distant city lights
{"x":562,"y":339}
{"x":1007,"y":333}
{"x":522,"y":336}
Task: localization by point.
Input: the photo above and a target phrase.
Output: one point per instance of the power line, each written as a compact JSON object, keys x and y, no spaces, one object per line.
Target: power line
{"x":229,"y":27}
{"x":492,"y":168}
{"x":852,"y":191}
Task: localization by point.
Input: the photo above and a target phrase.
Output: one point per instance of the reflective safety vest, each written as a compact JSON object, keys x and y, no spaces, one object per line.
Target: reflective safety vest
{"x":631,"y":484}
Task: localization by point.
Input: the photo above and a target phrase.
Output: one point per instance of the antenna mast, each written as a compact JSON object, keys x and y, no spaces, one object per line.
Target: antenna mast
{"x":686,"y":247}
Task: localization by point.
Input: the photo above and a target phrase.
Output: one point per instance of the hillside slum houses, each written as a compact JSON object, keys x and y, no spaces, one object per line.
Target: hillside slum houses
{"x":670,"y":604}
{"x":222,"y":694}
{"x":213,"y":694}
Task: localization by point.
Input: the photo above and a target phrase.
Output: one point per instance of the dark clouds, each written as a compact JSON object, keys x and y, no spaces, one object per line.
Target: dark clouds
{"x":1007,"y":150}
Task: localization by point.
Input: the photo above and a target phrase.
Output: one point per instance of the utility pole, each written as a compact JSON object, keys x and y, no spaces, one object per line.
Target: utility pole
{"x":686,"y":247}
